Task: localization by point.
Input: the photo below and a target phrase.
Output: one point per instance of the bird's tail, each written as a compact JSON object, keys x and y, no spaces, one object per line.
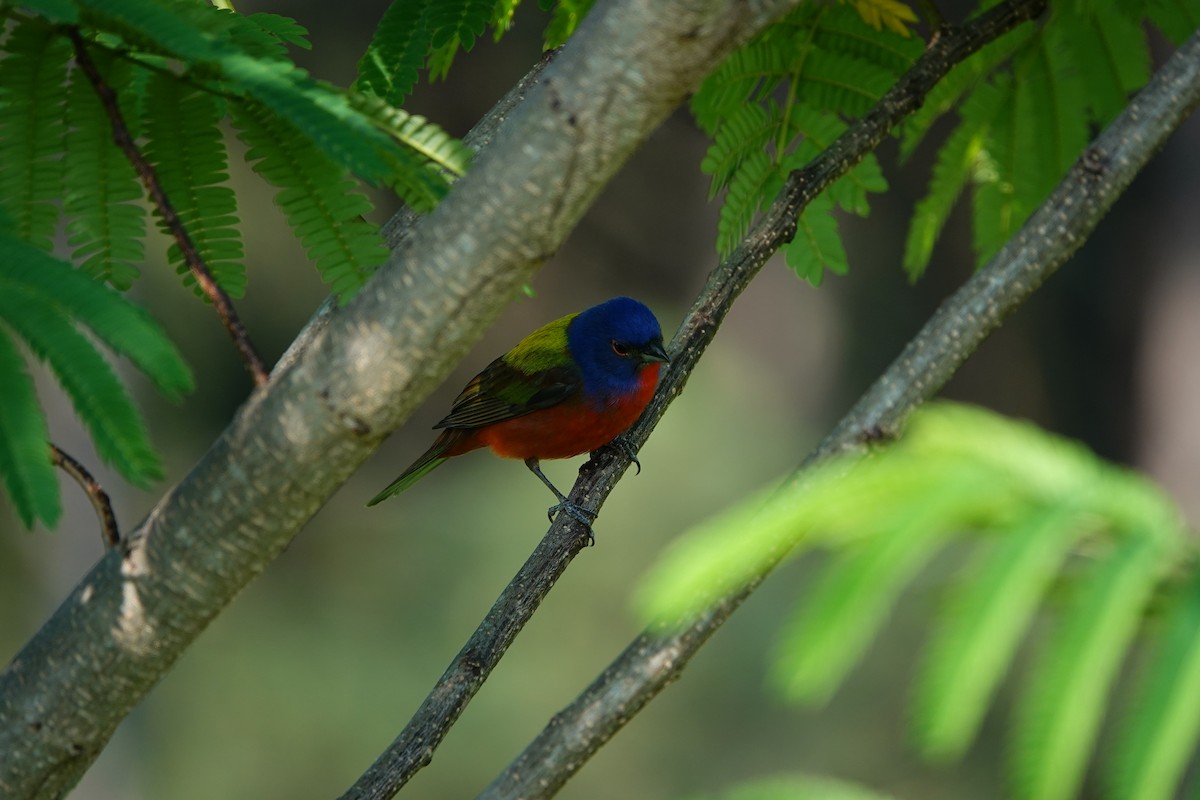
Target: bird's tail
{"x":428,"y":462}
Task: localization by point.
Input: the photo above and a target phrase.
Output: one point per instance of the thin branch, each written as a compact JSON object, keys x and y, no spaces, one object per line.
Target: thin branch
{"x":1058,"y":228}
{"x":109,"y":531}
{"x":145,"y":171}
{"x":413,"y":748}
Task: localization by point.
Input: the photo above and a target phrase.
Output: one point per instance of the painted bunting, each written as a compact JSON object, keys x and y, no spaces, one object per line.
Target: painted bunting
{"x":570,"y":387}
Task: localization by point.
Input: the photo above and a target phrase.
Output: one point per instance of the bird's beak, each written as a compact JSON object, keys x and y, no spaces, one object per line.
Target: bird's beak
{"x":654,"y":352}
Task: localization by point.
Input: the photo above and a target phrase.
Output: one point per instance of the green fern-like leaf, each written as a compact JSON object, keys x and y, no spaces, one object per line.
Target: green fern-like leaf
{"x":502,"y":17}
{"x":1059,"y":714}
{"x":830,"y":65}
{"x":461,"y":20}
{"x":441,"y":59}
{"x":960,"y":85}
{"x":812,"y":131}
{"x":1162,"y":725}
{"x":1110,"y":52}
{"x":840,"y":29}
{"x":32,"y":97}
{"x":122,"y":326}
{"x":41,"y":300}
{"x":853,"y":598}
{"x":1050,"y":117}
{"x":743,"y":199}
{"x":841,"y":83}
{"x":25,"y":442}
{"x":981,"y":627}
{"x":565,"y":19}
{"x":427,"y":140}
{"x":106,"y":219}
{"x":318,"y":197}
{"x":741,"y":134}
{"x":59,"y":11}
{"x":1033,"y":498}
{"x":817,"y":245}
{"x":268,"y":34}
{"x":200,"y":37}
{"x":391,"y":65}
{"x":170,"y":29}
{"x":1177,"y":19}
{"x":998,"y":210}
{"x":744,"y":75}
{"x":189,"y":160}
{"x":956,"y":162}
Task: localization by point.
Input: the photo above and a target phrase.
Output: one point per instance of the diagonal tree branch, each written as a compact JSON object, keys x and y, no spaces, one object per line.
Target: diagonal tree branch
{"x":294,"y":442}
{"x":1058,"y":228}
{"x":413,"y":748}
{"x":191,"y":256}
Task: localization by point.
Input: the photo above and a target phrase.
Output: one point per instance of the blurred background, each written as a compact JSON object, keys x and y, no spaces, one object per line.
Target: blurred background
{"x":297,"y":687}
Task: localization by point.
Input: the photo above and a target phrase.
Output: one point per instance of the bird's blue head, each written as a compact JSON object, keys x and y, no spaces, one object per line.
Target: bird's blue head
{"x":611,"y":343}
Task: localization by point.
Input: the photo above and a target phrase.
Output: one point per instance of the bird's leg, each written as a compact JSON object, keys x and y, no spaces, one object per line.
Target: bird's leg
{"x":625,"y":446}
{"x":573,"y":509}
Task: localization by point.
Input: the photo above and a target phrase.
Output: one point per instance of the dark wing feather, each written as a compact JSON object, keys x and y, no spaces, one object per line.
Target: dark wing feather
{"x":502,"y":392}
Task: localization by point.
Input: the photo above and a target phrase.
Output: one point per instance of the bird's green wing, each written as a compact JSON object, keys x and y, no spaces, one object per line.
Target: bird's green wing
{"x":537,"y":373}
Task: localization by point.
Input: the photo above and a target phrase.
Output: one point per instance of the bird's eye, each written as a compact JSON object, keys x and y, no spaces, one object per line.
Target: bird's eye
{"x":620,"y":349}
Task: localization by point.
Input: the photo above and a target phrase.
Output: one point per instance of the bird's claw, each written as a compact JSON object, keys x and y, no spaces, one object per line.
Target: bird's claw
{"x":623,"y":444}
{"x":576,"y":512}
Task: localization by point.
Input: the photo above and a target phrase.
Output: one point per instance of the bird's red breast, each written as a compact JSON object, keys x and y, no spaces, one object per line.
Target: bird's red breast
{"x":574,"y":426}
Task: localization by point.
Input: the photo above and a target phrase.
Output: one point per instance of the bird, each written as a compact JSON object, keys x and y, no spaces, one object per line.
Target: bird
{"x":572,"y":386}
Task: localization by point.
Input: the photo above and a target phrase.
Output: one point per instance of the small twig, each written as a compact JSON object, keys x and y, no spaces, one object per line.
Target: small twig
{"x":95,"y":492}
{"x":1052,"y":234}
{"x":414,"y":747}
{"x":145,"y":171}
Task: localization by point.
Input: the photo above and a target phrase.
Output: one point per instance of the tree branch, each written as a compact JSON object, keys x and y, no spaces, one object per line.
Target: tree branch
{"x":413,"y":748}
{"x":191,"y":256}
{"x":1050,"y":237}
{"x":373,"y":361}
{"x":109,"y":531}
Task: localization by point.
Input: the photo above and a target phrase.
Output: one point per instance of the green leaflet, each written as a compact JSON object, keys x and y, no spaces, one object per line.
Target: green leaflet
{"x":1160,"y":726}
{"x":817,"y":245}
{"x":854,"y":595}
{"x":41,"y":300}
{"x":318,"y":197}
{"x":390,"y":67}
{"x":438,"y":148}
{"x":1177,"y":19}
{"x":831,"y":65}
{"x":106,"y":220}
{"x":462,"y":21}
{"x":24,"y":442}
{"x":958,"y":160}
{"x":1059,"y":714}
{"x":189,"y":161}
{"x":1029,"y":499}
{"x":980,"y":628}
{"x":124,"y":327}
{"x":566,"y":18}
{"x":32,"y":96}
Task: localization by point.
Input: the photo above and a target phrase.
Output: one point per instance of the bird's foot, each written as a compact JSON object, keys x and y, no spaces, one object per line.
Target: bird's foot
{"x":576,"y":512}
{"x":625,"y":446}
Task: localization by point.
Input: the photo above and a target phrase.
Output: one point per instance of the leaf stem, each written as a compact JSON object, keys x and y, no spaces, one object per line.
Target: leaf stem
{"x":191,"y":256}
{"x":109,"y":531}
